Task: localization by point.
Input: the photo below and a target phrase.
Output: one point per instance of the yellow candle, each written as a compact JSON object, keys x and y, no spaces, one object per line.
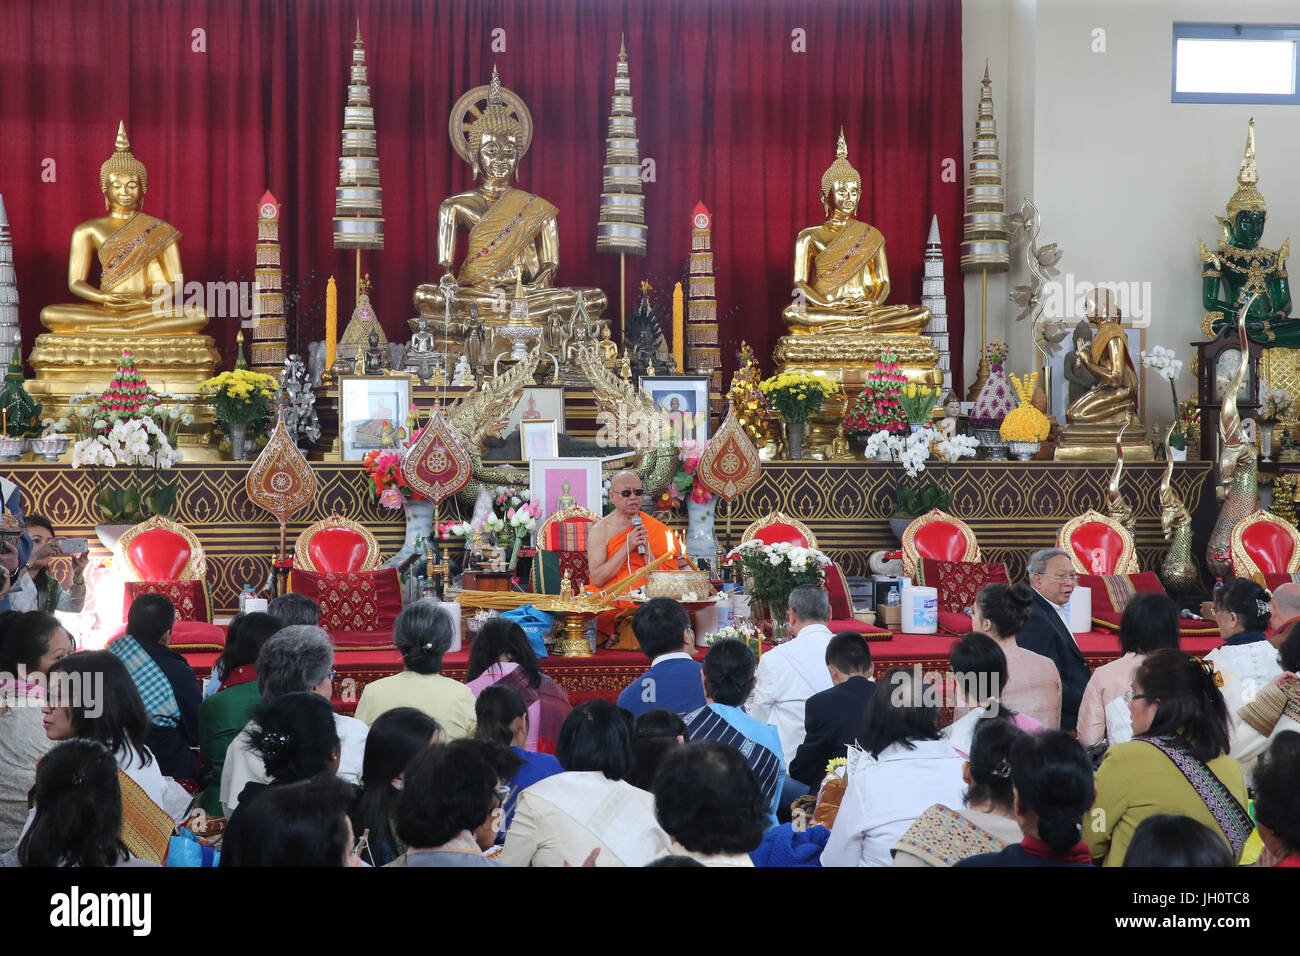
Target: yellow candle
{"x":679,"y":338}
{"x":331,"y":322}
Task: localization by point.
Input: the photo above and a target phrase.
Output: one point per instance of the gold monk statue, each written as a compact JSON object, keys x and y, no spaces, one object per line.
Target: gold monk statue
{"x":841,"y":276}
{"x":138,"y":259}
{"x":134,"y":304}
{"x":512,"y":233}
{"x":1114,"y":397}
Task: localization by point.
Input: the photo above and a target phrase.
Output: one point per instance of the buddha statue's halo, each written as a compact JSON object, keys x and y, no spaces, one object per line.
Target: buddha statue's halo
{"x":504,"y":112}
{"x":1247,"y":195}
{"x":122,"y":161}
{"x":839,"y":171}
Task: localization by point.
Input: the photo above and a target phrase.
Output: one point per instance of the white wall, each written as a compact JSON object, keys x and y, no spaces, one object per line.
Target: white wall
{"x":1124,"y":179}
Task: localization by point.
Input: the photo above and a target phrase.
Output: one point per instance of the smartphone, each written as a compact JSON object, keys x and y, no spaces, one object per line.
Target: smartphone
{"x":72,"y":546}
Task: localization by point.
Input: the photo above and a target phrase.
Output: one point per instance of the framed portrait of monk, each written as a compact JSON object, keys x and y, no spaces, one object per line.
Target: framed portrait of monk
{"x":372,"y":414}
{"x":684,"y":399}
{"x":538,"y":439}
{"x":558,"y":483}
{"x":538,"y":403}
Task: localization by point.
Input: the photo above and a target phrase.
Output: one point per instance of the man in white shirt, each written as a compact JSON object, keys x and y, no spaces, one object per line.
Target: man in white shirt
{"x":791,"y":673}
{"x":296,"y":658}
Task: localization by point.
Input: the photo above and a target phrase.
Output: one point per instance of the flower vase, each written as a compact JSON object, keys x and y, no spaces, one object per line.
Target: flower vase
{"x":419,"y":530}
{"x":1178,"y":454}
{"x":239,"y":441}
{"x":794,"y":434}
{"x":109,"y":534}
{"x":914,"y":427}
{"x":777,"y":618}
{"x":700,"y":541}
{"x":898,"y":524}
{"x":1265,"y":443}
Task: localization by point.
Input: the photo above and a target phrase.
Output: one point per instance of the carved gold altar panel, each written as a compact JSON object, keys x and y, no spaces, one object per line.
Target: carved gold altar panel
{"x":1013,"y":508}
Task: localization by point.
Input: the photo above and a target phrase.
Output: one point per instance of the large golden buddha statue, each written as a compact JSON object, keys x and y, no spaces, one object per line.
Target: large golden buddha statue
{"x":511,"y":233}
{"x":839,"y":322}
{"x":131,"y":306}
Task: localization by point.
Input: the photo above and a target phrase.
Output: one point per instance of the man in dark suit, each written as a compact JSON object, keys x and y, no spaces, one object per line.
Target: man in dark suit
{"x":1052,"y":577}
{"x":833,"y":718}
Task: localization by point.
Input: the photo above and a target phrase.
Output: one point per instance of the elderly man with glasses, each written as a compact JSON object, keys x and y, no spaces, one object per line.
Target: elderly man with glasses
{"x":623,"y":542}
{"x":1052,"y":577}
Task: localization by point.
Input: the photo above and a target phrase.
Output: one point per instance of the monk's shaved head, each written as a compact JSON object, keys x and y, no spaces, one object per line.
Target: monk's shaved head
{"x":622,"y":478}
{"x":1286,"y":602}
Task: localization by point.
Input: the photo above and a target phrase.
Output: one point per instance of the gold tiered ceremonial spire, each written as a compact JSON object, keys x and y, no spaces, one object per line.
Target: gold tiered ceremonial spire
{"x":358,"y":203}
{"x":10,"y":333}
{"x":621,"y":227}
{"x":702,"y":354}
{"x":984,"y":246}
{"x":269,"y":348}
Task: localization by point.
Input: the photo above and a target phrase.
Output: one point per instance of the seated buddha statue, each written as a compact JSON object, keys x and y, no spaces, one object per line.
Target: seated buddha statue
{"x":1240,"y":267}
{"x":1095,"y":419}
{"x":512,"y":234}
{"x":132,"y":304}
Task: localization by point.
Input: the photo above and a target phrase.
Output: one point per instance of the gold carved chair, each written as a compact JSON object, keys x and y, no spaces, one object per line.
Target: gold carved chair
{"x":562,"y":549}
{"x":335,"y":545}
{"x":939,"y":536}
{"x":161,"y":550}
{"x":1263,"y":543}
{"x":1098,"y":544}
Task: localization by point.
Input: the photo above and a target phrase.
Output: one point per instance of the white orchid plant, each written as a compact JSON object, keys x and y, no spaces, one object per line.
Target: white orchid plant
{"x":913,"y":452}
{"x":1166,"y":363}
{"x":1275,"y":405}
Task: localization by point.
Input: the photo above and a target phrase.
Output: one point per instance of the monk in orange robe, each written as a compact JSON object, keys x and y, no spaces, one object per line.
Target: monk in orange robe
{"x":613,"y":541}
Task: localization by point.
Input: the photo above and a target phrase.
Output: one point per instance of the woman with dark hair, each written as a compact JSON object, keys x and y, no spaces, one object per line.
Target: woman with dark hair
{"x":1177,"y":761}
{"x":91,"y":695}
{"x":1170,"y":840}
{"x":979,"y":670}
{"x":422,"y":635}
{"x":1277,"y":801}
{"x":1245,"y":661}
{"x":708,"y":801}
{"x":1275,"y":711}
{"x":30,"y":644}
{"x":78,"y":811}
{"x":296,"y":824}
{"x":590,"y":806}
{"x":987,"y":820}
{"x":1033,"y":684}
{"x":1051,"y":778}
{"x":914,"y":767}
{"x":450,"y":808}
{"x":394,"y":739}
{"x":1149,"y":622}
{"x":223,"y":715}
{"x":503,"y":719}
{"x":654,"y":734}
{"x":502,"y":655}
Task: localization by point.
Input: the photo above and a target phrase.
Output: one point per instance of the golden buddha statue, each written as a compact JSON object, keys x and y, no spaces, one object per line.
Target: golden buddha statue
{"x":132,"y":305}
{"x":1095,"y":420}
{"x":512,"y":233}
{"x":839,"y":323}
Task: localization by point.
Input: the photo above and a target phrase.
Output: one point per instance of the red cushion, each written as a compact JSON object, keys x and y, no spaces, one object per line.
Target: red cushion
{"x":958,"y":582}
{"x":870,"y":631}
{"x":1269,"y":545}
{"x":365,"y":601}
{"x":941,"y":541}
{"x":158,"y":554}
{"x":1098,"y":547}
{"x":191,"y":599}
{"x":192,"y":637}
{"x":1111,"y":592}
{"x":1275,"y":581}
{"x":955,"y":623}
{"x":337,"y":550}
{"x":837,"y":589}
{"x":775,"y":533}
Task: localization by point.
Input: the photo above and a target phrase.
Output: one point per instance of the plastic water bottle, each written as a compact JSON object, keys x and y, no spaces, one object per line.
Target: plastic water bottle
{"x":893,"y":598}
{"x":248,"y":592}
{"x":1218,"y":590}
{"x":725,"y":610}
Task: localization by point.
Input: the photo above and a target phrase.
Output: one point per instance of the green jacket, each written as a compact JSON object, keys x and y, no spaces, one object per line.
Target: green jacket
{"x":221,"y":717}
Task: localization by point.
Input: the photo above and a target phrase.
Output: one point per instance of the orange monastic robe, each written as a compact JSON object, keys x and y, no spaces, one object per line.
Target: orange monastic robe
{"x":660,"y":543}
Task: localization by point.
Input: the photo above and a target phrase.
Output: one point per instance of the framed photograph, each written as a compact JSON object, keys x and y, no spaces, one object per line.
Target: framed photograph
{"x":538,"y":403}
{"x":685,"y":400}
{"x":372,"y":413}
{"x":555,"y":480}
{"x":1137,"y":342}
{"x":538,"y":438}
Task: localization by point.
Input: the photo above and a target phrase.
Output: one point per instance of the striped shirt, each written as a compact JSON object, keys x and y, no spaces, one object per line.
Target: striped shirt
{"x":758,"y":743}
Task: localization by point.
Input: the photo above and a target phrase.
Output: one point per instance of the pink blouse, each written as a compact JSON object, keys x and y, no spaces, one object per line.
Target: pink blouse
{"x":1108,"y":682}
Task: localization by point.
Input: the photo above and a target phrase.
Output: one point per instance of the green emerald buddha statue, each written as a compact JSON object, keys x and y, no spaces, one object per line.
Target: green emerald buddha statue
{"x":1240,"y":267}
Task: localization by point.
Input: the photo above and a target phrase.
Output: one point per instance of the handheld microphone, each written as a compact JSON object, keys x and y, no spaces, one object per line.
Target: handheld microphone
{"x":636,"y":520}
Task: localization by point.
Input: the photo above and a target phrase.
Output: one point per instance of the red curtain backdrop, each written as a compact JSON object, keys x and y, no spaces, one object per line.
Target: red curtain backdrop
{"x":728,"y":107}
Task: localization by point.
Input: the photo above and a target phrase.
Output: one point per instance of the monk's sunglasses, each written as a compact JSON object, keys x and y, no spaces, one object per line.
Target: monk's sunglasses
{"x":629,"y":492}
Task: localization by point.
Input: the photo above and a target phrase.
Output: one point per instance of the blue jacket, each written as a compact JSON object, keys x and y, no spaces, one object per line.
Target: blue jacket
{"x":675,"y":684}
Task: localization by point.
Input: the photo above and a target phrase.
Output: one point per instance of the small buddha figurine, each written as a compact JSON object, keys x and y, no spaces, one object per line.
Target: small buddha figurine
{"x":132,"y":305}
{"x":951,"y":416}
{"x":375,"y":358}
{"x":1114,"y":397}
{"x":565,"y":498}
{"x":608,"y":350}
{"x":1239,"y":267}
{"x":475,"y":334}
{"x":840,"y":272}
{"x":511,"y":233}
{"x":421,"y":354}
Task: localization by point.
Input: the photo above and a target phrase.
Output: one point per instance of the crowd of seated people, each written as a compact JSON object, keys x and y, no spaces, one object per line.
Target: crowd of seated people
{"x":798,"y":758}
